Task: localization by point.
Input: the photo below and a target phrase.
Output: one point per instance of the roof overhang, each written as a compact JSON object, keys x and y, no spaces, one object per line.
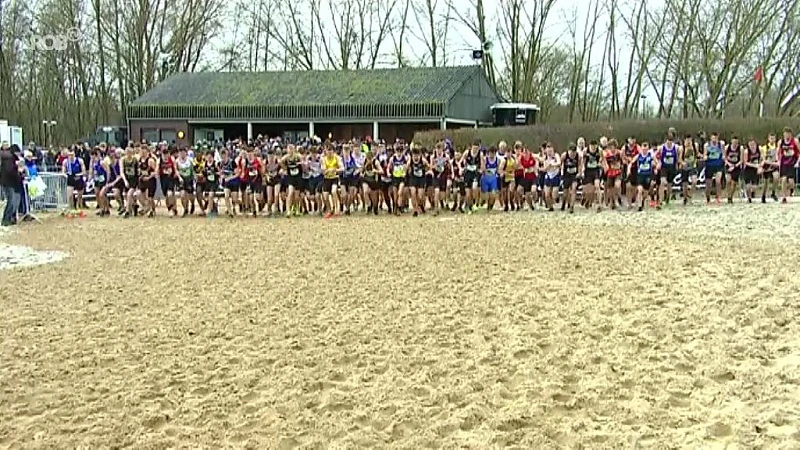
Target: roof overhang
{"x":529,"y":106}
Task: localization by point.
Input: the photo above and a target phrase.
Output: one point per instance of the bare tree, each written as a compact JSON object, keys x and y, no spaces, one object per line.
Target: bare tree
{"x":433,"y":18}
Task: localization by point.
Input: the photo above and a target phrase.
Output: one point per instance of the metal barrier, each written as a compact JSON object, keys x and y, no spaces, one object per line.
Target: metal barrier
{"x":54,"y":196}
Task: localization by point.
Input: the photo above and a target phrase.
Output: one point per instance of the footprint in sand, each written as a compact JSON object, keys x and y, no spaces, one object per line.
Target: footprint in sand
{"x":249,"y":397}
{"x":724,"y":376}
{"x":201,"y":392}
{"x":338,"y":406}
{"x":523,"y":354}
{"x":719,"y":430}
{"x":679,"y":399}
{"x":380,"y":424}
{"x":420,"y":391}
{"x":514,"y":424}
{"x":288,"y":444}
{"x":561,"y":397}
{"x":155,"y":423}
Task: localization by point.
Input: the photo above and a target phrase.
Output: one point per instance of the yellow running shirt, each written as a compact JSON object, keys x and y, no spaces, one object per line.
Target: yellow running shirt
{"x":769,"y":153}
{"x":509,"y":168}
{"x":330,"y":166}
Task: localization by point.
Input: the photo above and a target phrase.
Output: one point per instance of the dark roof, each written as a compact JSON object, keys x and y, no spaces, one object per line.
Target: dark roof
{"x":354,"y":87}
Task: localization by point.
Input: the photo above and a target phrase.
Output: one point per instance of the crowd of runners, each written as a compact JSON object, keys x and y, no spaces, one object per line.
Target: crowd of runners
{"x":330,"y":179}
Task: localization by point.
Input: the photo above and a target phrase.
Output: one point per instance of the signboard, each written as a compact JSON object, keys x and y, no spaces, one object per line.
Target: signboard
{"x":16,"y":136}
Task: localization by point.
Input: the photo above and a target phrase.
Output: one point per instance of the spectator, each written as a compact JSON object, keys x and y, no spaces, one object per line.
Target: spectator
{"x":31,"y":164}
{"x":11,"y":183}
{"x":50,"y":163}
{"x":62,"y":156}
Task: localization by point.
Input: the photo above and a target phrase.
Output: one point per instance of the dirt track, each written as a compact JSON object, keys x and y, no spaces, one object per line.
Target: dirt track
{"x":524,"y":330}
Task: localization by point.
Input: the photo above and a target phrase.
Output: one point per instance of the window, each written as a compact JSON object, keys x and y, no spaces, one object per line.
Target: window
{"x":149,"y":134}
{"x":169,"y":136}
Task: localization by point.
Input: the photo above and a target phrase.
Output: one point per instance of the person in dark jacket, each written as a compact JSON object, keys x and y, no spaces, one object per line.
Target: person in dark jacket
{"x":11,"y":184}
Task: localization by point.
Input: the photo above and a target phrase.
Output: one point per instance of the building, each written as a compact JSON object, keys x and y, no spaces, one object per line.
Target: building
{"x":382,"y":103}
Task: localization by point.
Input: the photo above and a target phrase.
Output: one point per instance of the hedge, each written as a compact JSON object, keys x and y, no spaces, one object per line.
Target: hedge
{"x":561,"y":135}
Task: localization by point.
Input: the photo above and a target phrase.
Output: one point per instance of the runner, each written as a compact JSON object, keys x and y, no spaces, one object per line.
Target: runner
{"x":230,"y":183}
{"x":314,"y":187}
{"x":612,"y":163}
{"x":552,"y":168}
{"x":644,"y":165}
{"x":186,"y":176}
{"x":255,"y":178}
{"x":243,"y":165}
{"x":752,"y":168}
{"x":369,"y":182}
{"x":359,"y":155}
{"x":525,"y":188}
{"x":291,"y":163}
{"x":502,"y":188}
{"x":518,"y":196}
{"x":129,"y":166}
{"x":712,"y":155}
{"x":331,"y":168}
{"x":591,"y":175}
{"x":385,"y":178}
{"x":490,"y":165}
{"x":630,"y":155}
{"x":580,"y":145}
{"x":733,"y":166}
{"x":199,"y":161}
{"x":75,"y":170}
{"x":570,"y":167}
{"x":667,"y":168}
{"x":687,"y":159}
{"x":416,"y":180}
{"x":471,"y":163}
{"x":210,"y":176}
{"x":508,"y":186}
{"x":442,"y":174}
{"x":350,"y":179}
{"x":542,"y":172}
{"x":101,"y":174}
{"x":115,"y":184}
{"x":789,"y":155}
{"x":273,"y":182}
{"x":397,"y":168}
{"x":148,"y":171}
{"x":459,"y":186}
{"x":167,"y":176}
{"x":770,"y":167}
{"x":303,"y":199}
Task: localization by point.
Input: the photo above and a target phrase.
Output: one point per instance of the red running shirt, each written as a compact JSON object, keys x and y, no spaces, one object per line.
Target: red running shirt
{"x":528,"y":163}
{"x":788,"y":152}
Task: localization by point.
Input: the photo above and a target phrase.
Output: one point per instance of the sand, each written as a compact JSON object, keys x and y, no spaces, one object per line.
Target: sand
{"x":522,"y":330}
{"x":14,"y":256}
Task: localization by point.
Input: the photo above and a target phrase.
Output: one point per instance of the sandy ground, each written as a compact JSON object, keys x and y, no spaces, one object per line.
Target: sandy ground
{"x":524,"y":330}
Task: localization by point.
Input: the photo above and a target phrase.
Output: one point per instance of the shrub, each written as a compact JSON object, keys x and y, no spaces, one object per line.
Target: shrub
{"x":561,"y":135}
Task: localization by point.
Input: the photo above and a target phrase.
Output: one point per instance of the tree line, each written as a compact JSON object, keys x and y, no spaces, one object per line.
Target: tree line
{"x":80,"y":62}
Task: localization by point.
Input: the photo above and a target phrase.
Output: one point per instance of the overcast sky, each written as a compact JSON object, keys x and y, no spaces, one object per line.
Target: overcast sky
{"x":461,"y":40}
